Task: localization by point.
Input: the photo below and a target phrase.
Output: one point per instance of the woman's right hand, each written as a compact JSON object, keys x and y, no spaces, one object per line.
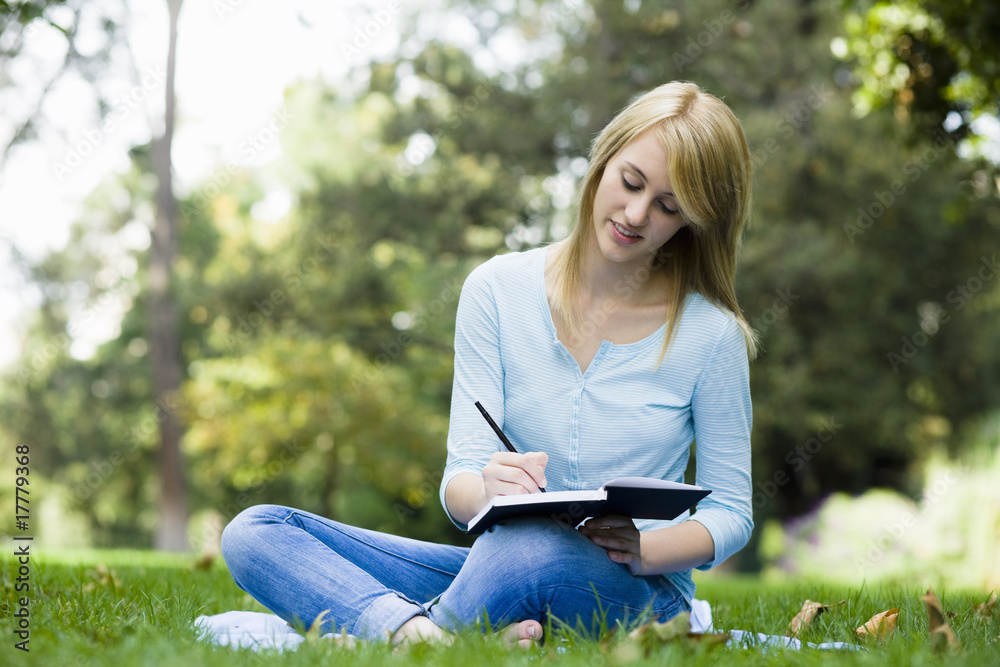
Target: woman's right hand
{"x":509,"y":474}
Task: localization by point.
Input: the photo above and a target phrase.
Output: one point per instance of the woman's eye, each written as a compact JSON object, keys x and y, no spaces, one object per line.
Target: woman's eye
{"x":666,"y":209}
{"x":629,"y":186}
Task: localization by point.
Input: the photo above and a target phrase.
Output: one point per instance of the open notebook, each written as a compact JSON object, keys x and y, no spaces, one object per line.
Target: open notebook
{"x":635,"y":497}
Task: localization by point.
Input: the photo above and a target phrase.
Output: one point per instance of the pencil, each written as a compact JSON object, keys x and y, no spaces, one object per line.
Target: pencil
{"x":496,"y":429}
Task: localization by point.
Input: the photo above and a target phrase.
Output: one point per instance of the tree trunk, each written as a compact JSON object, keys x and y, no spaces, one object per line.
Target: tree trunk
{"x":164,"y":336}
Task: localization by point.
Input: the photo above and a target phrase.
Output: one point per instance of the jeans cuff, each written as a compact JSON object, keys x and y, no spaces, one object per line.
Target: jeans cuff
{"x":384,"y":616}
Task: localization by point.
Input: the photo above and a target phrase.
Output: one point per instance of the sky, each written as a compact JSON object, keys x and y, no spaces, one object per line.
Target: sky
{"x":235,"y":59}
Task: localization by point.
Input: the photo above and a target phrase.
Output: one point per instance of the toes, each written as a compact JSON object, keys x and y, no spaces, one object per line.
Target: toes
{"x":524,"y":634}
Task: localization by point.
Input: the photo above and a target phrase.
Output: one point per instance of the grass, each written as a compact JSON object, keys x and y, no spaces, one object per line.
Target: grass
{"x":128,"y":608}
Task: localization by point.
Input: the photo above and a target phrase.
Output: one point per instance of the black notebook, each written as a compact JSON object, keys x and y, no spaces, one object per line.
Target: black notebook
{"x":635,"y":497}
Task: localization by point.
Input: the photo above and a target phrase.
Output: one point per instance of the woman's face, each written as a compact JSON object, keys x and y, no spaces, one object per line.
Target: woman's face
{"x":635,"y":211}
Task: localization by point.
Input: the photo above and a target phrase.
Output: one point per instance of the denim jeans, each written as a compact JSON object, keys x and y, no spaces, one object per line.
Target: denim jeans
{"x":298,"y":565}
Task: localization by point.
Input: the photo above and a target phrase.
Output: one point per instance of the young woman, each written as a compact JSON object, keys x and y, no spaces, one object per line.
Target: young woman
{"x":604,"y":355}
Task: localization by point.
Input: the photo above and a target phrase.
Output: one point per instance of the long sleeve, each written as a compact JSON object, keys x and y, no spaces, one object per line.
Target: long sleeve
{"x":628,"y":413}
{"x":722,"y":415}
{"x":478,"y":377}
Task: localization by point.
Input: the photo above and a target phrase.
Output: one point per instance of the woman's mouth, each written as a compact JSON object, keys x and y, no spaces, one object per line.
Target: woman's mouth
{"x":624,"y":235}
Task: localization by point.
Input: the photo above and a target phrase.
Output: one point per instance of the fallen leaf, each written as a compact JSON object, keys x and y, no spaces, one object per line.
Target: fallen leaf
{"x":203,"y":563}
{"x":939,"y":631}
{"x":102,"y":577}
{"x":677,"y":626}
{"x":642,"y":640}
{"x":709,"y":639}
{"x":988,"y":608}
{"x":879,"y":626}
{"x":810,"y":610}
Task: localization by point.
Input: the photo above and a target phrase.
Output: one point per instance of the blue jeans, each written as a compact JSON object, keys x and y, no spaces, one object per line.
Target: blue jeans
{"x":299,"y":565}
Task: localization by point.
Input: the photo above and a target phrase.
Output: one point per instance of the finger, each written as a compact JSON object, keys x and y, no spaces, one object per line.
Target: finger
{"x":623,"y":557}
{"x":532,"y":465}
{"x":509,"y":487}
{"x":505,"y":489}
{"x":508,"y":480}
{"x":631,"y":561}
{"x":507,"y":458}
{"x":609,"y":521}
{"x":614,"y":543}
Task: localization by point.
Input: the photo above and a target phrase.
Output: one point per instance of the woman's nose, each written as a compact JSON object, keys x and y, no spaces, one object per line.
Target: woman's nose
{"x":636,"y":211}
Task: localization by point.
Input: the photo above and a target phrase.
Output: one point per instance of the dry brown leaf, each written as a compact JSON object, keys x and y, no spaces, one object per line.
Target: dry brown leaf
{"x":988,"y":608}
{"x":938,"y":629}
{"x":710,"y":640}
{"x":879,"y":626}
{"x":203,"y":563}
{"x":810,"y":610}
{"x":103,"y":577}
{"x":645,"y":638}
{"x":677,"y":626}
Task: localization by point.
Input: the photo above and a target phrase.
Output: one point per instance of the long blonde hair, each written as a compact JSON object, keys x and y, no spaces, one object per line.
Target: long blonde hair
{"x":711,"y":172}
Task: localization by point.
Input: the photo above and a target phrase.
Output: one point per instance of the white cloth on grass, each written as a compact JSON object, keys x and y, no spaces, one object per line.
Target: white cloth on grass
{"x":262,"y":631}
{"x":249,"y":629}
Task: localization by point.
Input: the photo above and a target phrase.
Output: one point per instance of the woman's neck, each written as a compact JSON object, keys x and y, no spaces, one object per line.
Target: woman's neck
{"x":638,"y":283}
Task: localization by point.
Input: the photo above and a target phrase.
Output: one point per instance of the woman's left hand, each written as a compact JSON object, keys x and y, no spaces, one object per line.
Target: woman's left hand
{"x":618,"y":536}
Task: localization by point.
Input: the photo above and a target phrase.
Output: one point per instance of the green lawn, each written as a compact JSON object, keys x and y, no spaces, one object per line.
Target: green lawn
{"x":128,"y":608}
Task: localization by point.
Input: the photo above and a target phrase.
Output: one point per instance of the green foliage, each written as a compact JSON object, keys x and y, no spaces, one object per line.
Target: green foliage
{"x":318,"y":345}
{"x":130,"y":607}
{"x":926,"y":58}
{"x":59,"y":22}
{"x":950,"y":537}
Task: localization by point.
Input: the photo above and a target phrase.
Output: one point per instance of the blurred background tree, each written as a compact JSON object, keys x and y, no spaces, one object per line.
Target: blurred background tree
{"x":317,"y":342}
{"x":87,"y":55}
{"x":89,"y":33}
{"x":937,"y":64}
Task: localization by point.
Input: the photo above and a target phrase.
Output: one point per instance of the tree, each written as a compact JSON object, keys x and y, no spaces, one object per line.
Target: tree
{"x":318,"y":343}
{"x":931,"y":61}
{"x":866,"y":235}
{"x":164,"y":341}
{"x":18,"y":22}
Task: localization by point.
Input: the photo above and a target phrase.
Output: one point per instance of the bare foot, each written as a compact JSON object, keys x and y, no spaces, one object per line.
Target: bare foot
{"x":525,"y":634}
{"x":422,"y":629}
{"x":419,"y":629}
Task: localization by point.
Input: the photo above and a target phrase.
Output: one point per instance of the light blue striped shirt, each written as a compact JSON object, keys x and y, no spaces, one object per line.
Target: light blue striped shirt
{"x":624,"y":416}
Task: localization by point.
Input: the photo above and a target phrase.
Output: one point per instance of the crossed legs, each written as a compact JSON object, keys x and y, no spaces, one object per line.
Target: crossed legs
{"x":380,"y":586}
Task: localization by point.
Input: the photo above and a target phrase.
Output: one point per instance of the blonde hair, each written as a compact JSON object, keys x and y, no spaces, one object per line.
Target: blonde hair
{"x":711,"y":172}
